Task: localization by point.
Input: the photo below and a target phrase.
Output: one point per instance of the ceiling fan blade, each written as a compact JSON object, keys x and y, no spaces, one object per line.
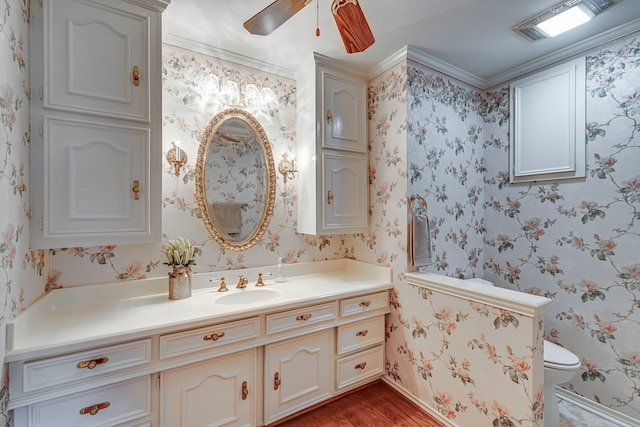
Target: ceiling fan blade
{"x":271,"y":17}
{"x":352,"y":25}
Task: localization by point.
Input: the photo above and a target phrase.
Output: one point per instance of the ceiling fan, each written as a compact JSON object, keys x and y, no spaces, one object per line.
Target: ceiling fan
{"x":352,"y":25}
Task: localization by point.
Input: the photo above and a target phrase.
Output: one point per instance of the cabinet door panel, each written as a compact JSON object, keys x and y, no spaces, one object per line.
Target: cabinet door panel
{"x":94,"y":80}
{"x":344,"y":113}
{"x":345,"y":192}
{"x":298,"y":374}
{"x":210,"y":393}
{"x":89,"y":178}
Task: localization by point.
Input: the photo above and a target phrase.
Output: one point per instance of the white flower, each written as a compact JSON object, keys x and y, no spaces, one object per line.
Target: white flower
{"x":179,"y":252}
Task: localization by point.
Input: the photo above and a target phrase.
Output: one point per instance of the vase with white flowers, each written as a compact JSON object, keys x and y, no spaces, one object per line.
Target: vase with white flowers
{"x":180,"y":255}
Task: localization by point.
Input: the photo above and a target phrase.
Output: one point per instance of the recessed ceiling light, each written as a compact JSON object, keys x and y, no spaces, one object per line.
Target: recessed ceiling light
{"x":562,"y":17}
{"x":566,"y":20}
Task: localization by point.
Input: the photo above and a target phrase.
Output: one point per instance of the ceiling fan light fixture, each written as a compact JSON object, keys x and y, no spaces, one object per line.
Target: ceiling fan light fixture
{"x":562,"y":17}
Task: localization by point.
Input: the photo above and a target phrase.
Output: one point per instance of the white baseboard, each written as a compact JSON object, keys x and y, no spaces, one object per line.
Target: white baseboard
{"x":429,"y":410}
{"x":597,"y":409}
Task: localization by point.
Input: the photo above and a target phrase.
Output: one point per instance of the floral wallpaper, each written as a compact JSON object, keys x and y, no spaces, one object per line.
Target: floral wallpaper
{"x":425,"y":137}
{"x":577,"y":242}
{"x":574,"y":242}
{"x":18,"y":264}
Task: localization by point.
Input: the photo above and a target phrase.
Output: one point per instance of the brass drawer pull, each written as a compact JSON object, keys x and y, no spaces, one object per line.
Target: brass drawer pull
{"x":90,"y":364}
{"x":304,"y":317}
{"x":361,"y":365}
{"x":92,"y":410}
{"x":329,"y":116}
{"x":276,"y":381}
{"x":365,"y":303}
{"x":213,"y":337}
{"x":329,"y":197}
{"x":245,"y":390}
{"x":362,"y":333}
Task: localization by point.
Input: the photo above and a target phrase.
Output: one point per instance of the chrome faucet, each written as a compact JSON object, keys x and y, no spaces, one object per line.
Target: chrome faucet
{"x":242,"y":282}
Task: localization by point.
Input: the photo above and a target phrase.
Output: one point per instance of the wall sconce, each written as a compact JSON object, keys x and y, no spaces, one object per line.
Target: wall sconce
{"x":176,"y":157}
{"x":287,"y":168}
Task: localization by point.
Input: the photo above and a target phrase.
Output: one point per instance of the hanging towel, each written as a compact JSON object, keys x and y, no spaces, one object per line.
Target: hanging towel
{"x":419,"y":242}
{"x":228,"y":217}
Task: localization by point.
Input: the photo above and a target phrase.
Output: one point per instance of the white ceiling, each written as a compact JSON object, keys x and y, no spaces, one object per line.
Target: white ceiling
{"x":471,"y":35}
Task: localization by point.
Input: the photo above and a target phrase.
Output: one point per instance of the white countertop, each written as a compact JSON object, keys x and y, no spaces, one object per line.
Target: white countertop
{"x":72,"y":319}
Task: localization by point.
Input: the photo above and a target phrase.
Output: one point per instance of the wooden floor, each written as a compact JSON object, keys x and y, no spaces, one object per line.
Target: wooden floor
{"x":372,"y":406}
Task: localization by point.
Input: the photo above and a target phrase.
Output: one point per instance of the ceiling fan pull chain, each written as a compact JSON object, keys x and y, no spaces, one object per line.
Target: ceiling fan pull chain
{"x":317,"y":18}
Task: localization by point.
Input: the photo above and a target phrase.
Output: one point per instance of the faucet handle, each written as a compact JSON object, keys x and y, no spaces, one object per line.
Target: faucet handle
{"x":260,"y":282}
{"x":242,"y":282}
{"x":223,"y":285}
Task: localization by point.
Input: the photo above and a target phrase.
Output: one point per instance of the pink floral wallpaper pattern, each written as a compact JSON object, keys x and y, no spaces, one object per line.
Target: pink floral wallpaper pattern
{"x":573,"y":242}
{"x":20,"y":267}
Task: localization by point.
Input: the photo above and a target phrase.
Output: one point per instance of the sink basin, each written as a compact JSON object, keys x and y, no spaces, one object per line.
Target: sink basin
{"x":248,"y":296}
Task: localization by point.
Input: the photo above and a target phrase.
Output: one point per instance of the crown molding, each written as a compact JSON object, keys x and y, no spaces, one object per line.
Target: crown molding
{"x":562,"y":54}
{"x":416,"y":55}
{"x":226,"y":55}
{"x":420,"y":57}
{"x":390,"y":62}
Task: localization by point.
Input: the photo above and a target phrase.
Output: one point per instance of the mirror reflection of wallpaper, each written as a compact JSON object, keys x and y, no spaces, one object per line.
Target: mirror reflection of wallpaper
{"x":235,"y":182}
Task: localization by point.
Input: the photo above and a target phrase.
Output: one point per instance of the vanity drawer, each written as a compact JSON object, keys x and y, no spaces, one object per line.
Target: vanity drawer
{"x":57,"y":370}
{"x":360,"y":366}
{"x":364,"y":303}
{"x":360,"y":334}
{"x":209,"y":337}
{"x":106,"y":406}
{"x":302,"y":317}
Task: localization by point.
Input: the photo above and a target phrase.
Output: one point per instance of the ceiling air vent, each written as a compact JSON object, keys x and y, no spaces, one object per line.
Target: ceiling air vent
{"x":529,"y":28}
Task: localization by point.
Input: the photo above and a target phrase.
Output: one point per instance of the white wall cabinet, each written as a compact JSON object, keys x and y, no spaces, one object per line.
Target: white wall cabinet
{"x":548,"y":124}
{"x":220,"y":391}
{"x":332,"y":150}
{"x":96,"y":128}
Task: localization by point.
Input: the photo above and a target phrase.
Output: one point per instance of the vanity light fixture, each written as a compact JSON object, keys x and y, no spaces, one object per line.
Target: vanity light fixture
{"x":562,"y":17}
{"x":176,"y":157}
{"x":287,"y":168}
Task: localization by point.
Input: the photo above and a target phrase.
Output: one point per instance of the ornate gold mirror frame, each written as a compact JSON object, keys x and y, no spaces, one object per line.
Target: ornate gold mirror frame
{"x":216,"y":131}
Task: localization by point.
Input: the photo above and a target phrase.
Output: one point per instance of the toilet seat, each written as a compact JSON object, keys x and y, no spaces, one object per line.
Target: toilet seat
{"x":556,"y":357}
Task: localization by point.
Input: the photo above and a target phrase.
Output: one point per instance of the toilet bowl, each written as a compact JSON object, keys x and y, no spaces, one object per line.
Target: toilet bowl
{"x":560,"y":366}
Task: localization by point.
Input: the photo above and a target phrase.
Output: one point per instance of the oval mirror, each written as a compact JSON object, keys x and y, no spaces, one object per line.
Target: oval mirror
{"x":235,"y":179}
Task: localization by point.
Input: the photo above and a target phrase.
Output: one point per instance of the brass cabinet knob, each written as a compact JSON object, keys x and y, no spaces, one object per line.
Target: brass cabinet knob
{"x":276,"y":381}
{"x":135,"y":74}
{"x":245,"y":390}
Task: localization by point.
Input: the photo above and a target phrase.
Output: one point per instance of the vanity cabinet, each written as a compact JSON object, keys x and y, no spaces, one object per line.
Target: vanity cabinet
{"x":298,"y":374}
{"x":220,"y":391}
{"x":96,"y":122}
{"x":199,"y":363}
{"x":332,"y":150}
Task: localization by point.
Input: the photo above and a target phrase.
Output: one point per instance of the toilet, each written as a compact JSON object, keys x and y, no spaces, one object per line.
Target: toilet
{"x":560,"y":366}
